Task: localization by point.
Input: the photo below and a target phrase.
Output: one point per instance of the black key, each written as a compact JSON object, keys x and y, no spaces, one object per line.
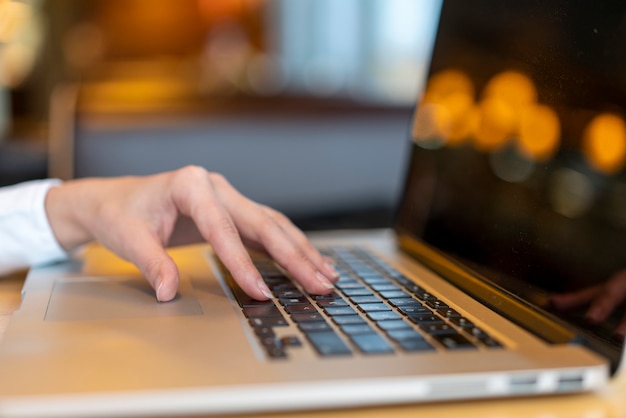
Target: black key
{"x":268,"y":322}
{"x":262,"y":332}
{"x":314,"y":326}
{"x":403,"y":280}
{"x":352,"y":329}
{"x":425,"y":296}
{"x":414,"y":309}
{"x":398,"y":302}
{"x":393,"y":325}
{"x":415,"y":345}
{"x":374,"y":307}
{"x":300,"y":308}
{"x":454,"y":341}
{"x":437,"y":304}
{"x":477,"y":332}
{"x":275,"y":352}
{"x":449,"y":313}
{"x":276,"y":285}
{"x":366,"y":299}
{"x":328,"y":296}
{"x":267,"y":268}
{"x":261,"y":311}
{"x":290,"y":341}
{"x":375,"y":279}
{"x":307,"y":317}
{"x":388,"y":294}
{"x":348,"y":284}
{"x":242,"y":297}
{"x":462,"y":322}
{"x":332,"y":302}
{"x":268,"y":341}
{"x":371,"y":343}
{"x":438,"y":329}
{"x":328,"y":343}
{"x":288,"y":294}
{"x":383,"y":316}
{"x":366,"y":270}
{"x":382,"y":287}
{"x":362,"y":269}
{"x":404,"y":334}
{"x":484,"y":338}
{"x":339,"y":310}
{"x":362,"y":291}
{"x":415,"y":288}
{"x":302,"y":300}
{"x":348,"y":319}
{"x":490,"y":342}
{"x":425,"y":319}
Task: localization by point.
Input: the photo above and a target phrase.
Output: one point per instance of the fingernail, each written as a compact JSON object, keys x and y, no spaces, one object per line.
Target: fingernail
{"x":158,"y":290}
{"x":324,"y":281}
{"x":264,"y":289}
{"x":331,"y":268}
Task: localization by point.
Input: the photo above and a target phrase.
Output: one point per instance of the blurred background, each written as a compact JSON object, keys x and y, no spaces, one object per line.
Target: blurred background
{"x":303,"y":104}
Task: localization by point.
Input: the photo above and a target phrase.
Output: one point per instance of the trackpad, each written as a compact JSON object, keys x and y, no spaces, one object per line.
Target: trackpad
{"x":89,"y":299}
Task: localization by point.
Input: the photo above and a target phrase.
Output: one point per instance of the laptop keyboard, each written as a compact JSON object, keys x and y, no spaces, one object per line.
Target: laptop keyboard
{"x":374,"y":309}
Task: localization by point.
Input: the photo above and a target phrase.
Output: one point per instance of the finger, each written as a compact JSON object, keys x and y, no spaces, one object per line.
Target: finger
{"x":324,"y":264}
{"x":288,"y":248}
{"x":576,"y":299}
{"x":276,"y":235}
{"x":147,"y":253}
{"x":612,"y":295}
{"x":201,"y":204}
{"x":219,"y":230}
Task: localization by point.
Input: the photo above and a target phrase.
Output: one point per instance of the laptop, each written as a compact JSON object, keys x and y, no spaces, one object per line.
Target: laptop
{"x":511,"y":203}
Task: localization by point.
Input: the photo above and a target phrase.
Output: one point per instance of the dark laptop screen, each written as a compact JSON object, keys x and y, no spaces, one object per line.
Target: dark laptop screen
{"x":519,"y":150}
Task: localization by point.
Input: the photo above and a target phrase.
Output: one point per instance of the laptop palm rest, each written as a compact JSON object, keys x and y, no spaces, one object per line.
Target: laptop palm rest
{"x":103,"y":298}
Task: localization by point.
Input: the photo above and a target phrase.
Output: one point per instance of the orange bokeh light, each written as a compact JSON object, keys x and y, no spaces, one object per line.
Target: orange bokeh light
{"x":446,"y":110}
{"x":496,"y":123}
{"x":605,"y":143}
{"x":539,"y":132}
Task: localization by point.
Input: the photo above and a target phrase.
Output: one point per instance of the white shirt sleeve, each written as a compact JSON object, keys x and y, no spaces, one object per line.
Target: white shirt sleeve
{"x":26,"y":238}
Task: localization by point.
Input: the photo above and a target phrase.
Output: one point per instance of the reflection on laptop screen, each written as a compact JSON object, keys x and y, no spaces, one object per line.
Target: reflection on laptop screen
{"x":522,"y":129}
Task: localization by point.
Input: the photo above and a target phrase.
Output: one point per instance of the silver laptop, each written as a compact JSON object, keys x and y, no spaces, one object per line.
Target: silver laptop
{"x":510,"y":203}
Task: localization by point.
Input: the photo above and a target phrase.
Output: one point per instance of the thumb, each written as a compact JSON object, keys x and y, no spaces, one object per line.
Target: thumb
{"x":165,"y":284}
{"x":157,"y":267}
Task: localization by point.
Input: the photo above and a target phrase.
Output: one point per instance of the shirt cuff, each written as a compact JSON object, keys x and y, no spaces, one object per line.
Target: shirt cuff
{"x":27,"y":237}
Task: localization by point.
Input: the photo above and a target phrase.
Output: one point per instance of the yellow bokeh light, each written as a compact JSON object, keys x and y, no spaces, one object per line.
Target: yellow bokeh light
{"x":512,"y":87}
{"x":459,"y":108}
{"x":605,"y":143}
{"x":495,"y":125}
{"x":444,"y":113}
{"x":446,"y":83}
{"x":539,"y":132}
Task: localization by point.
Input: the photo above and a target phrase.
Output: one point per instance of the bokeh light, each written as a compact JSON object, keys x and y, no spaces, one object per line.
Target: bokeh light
{"x":604,"y":143}
{"x":539,"y":132}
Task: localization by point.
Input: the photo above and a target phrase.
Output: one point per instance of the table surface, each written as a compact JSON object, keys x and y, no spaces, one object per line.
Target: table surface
{"x":610,"y":402}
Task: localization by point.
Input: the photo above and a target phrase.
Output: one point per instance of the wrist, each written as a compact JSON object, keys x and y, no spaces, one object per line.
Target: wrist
{"x":65,"y":206}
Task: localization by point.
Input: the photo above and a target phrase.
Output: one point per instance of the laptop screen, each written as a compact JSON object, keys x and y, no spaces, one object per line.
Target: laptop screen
{"x":519,"y":154}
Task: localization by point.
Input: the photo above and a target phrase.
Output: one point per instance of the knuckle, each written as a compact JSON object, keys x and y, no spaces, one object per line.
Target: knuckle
{"x":191,"y":173}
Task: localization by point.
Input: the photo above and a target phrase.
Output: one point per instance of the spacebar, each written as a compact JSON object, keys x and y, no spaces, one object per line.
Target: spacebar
{"x":328,"y":343}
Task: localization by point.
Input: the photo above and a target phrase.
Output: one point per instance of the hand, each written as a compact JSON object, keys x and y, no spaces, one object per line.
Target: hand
{"x":138,"y":217}
{"x":601,"y":299}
